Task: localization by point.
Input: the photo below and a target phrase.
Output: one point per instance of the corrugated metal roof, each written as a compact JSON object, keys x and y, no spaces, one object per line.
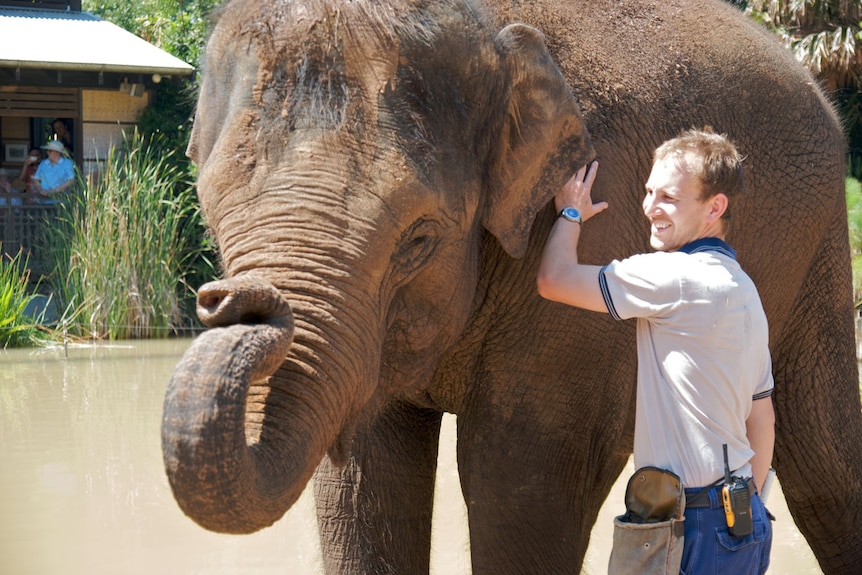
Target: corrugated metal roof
{"x":78,"y":41}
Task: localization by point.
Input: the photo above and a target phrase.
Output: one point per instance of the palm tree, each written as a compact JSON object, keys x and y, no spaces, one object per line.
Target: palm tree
{"x":824,"y":35}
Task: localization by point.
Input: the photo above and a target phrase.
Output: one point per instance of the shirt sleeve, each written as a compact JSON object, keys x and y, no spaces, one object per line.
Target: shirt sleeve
{"x":643,"y":285}
{"x":766,"y":385}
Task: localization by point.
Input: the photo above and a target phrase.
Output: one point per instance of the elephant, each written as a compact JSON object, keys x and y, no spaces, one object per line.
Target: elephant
{"x":379,"y":177}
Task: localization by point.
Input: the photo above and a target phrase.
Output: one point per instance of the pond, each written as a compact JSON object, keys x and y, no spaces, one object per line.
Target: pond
{"x":83,"y":489}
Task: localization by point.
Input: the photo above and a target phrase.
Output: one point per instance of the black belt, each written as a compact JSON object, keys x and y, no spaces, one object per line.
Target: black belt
{"x":701,"y":499}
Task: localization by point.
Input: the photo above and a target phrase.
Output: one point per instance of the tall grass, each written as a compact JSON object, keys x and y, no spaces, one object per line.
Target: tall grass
{"x":121,"y":246}
{"x":17,"y":327}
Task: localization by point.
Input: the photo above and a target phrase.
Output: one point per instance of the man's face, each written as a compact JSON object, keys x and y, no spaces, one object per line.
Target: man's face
{"x":54,"y":156}
{"x":674,"y":207}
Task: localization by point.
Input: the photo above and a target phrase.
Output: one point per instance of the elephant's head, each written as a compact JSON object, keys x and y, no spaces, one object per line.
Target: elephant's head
{"x":353,"y":156}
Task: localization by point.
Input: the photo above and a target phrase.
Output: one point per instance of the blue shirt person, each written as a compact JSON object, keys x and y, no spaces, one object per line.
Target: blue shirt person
{"x":56,"y":174}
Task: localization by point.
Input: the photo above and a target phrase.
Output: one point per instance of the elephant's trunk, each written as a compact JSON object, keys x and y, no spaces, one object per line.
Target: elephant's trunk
{"x":222,"y":476}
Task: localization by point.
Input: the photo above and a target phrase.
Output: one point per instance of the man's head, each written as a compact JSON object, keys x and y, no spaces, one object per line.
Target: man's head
{"x":61,"y":129}
{"x":694,"y":179}
{"x":712,"y":159}
{"x":55,"y":150}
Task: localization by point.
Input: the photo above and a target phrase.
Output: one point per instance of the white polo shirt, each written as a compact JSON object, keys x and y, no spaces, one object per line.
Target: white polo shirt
{"x":703,"y":356}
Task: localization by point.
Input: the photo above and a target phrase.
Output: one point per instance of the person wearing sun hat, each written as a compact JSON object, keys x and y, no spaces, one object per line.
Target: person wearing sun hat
{"x":55,"y":174}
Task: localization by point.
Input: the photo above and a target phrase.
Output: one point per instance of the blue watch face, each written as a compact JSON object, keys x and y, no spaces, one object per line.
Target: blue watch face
{"x":571,"y":214}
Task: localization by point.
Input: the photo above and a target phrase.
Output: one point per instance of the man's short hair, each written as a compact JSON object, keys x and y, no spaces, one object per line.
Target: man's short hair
{"x":712,"y":158}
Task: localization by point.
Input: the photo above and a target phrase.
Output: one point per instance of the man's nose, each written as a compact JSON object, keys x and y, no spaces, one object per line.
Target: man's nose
{"x":649,"y":206}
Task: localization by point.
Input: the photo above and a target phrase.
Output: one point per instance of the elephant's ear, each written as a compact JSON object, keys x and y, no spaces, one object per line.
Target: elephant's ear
{"x":541,"y":143}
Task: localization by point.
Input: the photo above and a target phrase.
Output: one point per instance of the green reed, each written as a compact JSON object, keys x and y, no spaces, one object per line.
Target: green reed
{"x":121,"y":245}
{"x":17,"y":326}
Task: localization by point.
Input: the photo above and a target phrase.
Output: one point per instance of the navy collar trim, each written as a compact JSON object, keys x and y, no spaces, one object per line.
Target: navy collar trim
{"x":709,"y":245}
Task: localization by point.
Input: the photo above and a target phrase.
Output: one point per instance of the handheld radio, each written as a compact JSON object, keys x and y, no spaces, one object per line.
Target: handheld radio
{"x":737,"y":502}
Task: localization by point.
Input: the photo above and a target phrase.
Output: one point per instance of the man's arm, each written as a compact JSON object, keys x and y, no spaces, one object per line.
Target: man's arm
{"x":760,"y":429}
{"x":64,"y":186}
{"x":22,"y":175}
{"x":561,"y":277}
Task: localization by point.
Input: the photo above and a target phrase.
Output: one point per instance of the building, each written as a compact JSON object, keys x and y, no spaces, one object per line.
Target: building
{"x":58,"y":62}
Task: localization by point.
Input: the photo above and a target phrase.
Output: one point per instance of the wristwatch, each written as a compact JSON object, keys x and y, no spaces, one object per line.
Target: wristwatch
{"x":570,"y":214}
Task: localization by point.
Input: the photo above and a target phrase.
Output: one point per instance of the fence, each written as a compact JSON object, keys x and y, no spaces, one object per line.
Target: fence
{"x":22,"y":227}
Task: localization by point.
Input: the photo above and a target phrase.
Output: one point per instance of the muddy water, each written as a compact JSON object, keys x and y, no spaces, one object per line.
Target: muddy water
{"x":83,"y":491}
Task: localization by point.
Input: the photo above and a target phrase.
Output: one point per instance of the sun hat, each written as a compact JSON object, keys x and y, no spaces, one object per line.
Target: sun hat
{"x":55,"y":145}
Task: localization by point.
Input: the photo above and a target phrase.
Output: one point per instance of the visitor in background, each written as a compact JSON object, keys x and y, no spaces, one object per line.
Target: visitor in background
{"x":20,"y":184}
{"x":6,"y":188}
{"x":56,"y":174}
{"x":62,"y":133}
{"x":23,"y":183}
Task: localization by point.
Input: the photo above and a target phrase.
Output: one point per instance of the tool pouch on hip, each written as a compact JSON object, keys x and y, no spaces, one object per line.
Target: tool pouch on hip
{"x":648,"y":539}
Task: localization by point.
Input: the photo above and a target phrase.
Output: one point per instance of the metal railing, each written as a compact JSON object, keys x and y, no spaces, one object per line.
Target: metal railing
{"x":23,"y":225}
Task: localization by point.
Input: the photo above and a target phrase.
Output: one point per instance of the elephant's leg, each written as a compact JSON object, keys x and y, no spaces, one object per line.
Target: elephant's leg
{"x":374,"y":514}
{"x":818,"y":413}
{"x":534,"y":478}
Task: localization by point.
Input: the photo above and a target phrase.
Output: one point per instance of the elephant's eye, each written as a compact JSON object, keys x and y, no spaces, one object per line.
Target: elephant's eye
{"x":416,"y":247}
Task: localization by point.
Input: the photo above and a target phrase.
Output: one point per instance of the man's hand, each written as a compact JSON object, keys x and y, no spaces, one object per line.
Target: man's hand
{"x":561,"y":277}
{"x":576,"y":193}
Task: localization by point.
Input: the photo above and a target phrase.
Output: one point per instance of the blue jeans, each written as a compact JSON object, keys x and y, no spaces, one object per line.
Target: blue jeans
{"x":709,"y":549}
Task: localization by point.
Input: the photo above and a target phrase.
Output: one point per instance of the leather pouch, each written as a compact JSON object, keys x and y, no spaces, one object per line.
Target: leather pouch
{"x":649,"y":538}
{"x":654,"y":495}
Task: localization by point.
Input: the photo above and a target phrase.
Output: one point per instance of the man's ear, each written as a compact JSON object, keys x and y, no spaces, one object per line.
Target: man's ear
{"x":717,"y":207}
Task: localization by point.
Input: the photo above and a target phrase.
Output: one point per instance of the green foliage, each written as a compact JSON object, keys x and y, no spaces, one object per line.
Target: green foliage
{"x":123,"y":247}
{"x":179,"y":27}
{"x":826,"y":37}
{"x":853,"y":192}
{"x":168,"y":122}
{"x":17,"y":328}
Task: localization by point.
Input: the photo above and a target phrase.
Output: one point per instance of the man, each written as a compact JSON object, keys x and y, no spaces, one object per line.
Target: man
{"x":62,"y":134}
{"x":56,"y":174}
{"x":704,"y":369}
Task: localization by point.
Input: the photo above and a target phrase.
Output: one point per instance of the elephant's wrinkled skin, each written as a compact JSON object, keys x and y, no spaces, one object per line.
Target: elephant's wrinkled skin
{"x":387,"y":167}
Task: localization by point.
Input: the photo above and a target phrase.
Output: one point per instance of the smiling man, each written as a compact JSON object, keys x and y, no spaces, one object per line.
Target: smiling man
{"x":704,"y":368}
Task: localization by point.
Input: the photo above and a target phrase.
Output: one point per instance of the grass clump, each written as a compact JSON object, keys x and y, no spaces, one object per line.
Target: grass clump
{"x":17,"y":327}
{"x":122,"y":245}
